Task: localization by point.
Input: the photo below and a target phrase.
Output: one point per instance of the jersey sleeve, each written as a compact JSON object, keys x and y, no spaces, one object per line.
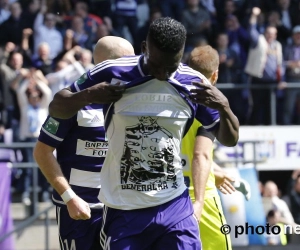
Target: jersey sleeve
{"x":102,"y":72}
{"x":203,"y":132}
{"x":54,"y":130}
{"x":209,"y":118}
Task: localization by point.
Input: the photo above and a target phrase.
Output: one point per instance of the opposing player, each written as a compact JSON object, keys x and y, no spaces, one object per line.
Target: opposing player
{"x":75,"y":174}
{"x":197,"y":146}
{"x":146,"y":202}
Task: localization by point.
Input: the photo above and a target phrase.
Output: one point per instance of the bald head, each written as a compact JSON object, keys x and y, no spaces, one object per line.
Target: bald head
{"x":111,"y":47}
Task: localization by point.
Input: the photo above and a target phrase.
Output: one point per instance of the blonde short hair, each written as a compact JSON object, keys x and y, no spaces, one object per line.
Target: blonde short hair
{"x":204,"y":59}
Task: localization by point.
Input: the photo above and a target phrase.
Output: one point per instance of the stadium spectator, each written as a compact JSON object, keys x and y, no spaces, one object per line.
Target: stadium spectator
{"x":81,"y":36}
{"x":172,"y":8}
{"x":102,"y":31}
{"x":11,"y":30}
{"x":197,"y":22}
{"x":60,"y":7}
{"x":30,"y":11}
{"x":230,"y":71}
{"x":209,"y":6}
{"x":286,"y":13}
{"x":45,"y":31}
{"x":33,"y":98}
{"x":90,"y":20}
{"x":43,"y":62}
{"x":292,"y":62}
{"x":101,"y":8}
{"x":125,"y":15}
{"x":229,"y":61}
{"x":85,"y":58}
{"x":264,"y":66}
{"x":273,"y":218}
{"x":11,"y":66}
{"x":261,"y":23}
{"x":225,"y":9}
{"x":4,"y":10}
{"x":271,"y":201}
{"x":155,"y":13}
{"x":68,"y":69}
{"x":238,"y":38}
{"x":283,"y":32}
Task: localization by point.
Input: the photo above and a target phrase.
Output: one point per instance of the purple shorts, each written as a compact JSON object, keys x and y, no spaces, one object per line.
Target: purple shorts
{"x":167,"y":226}
{"x":79,"y":234}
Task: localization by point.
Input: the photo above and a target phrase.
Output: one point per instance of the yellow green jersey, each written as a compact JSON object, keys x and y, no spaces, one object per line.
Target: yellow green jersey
{"x":212,"y":217}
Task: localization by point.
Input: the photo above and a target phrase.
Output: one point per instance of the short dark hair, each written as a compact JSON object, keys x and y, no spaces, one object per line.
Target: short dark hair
{"x":167,"y":34}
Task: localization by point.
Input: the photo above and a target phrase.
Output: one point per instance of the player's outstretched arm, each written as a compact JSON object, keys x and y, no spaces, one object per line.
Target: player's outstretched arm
{"x":210,"y":96}
{"x":66,"y":104}
{"x":43,"y":154}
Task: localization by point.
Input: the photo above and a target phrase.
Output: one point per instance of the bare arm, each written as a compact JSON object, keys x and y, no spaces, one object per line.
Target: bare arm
{"x":43,"y":154}
{"x":44,"y":157}
{"x":21,"y":92}
{"x":25,"y":38}
{"x":65,"y":104}
{"x":200,"y":171}
{"x":47,"y":93}
{"x":228,"y":132}
{"x":212,"y":97}
{"x":15,"y":83}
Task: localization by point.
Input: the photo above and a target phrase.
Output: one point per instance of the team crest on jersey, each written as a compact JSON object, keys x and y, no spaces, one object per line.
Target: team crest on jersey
{"x":82,"y":79}
{"x":51,"y":126}
{"x":144,"y":165}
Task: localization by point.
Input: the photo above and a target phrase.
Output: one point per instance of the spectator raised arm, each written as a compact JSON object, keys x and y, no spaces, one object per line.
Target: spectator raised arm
{"x":45,"y":31}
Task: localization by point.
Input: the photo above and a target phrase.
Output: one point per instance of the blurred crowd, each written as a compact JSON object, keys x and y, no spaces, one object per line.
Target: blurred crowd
{"x":46,"y":45}
{"x":283,"y":210}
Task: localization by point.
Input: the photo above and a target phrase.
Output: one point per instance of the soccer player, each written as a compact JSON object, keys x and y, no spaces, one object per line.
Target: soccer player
{"x":75,"y":174}
{"x":197,"y":146}
{"x":147,"y":205}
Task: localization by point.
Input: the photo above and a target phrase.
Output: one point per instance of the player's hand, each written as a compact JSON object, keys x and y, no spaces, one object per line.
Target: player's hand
{"x":197,"y":210}
{"x":223,"y":183}
{"x":105,"y":93}
{"x":78,"y":209}
{"x":209,"y":96}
